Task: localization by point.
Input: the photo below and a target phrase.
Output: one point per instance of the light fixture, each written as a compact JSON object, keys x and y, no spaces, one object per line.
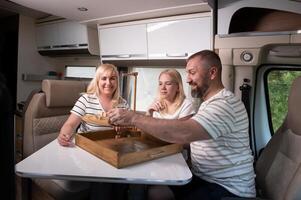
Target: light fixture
{"x":83,"y":9}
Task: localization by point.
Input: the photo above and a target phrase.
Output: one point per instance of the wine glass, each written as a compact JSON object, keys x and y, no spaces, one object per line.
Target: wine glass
{"x":118,"y":128}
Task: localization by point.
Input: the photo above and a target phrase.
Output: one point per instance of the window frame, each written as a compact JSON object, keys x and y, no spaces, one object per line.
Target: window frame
{"x":266,"y":86}
{"x":261,"y":129}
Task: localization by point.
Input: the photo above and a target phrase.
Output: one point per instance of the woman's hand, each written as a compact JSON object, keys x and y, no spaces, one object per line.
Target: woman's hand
{"x":64,"y":139}
{"x":68,"y":129}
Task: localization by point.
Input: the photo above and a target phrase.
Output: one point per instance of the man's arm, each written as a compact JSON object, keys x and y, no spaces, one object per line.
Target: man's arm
{"x":173,"y":131}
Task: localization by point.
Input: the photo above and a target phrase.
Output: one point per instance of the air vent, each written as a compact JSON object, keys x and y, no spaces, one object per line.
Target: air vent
{"x":285,"y":51}
{"x":64,"y":52}
{"x":49,"y":18}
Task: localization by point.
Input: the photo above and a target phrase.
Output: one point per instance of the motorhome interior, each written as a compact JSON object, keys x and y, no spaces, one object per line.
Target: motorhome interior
{"x":41,"y":42}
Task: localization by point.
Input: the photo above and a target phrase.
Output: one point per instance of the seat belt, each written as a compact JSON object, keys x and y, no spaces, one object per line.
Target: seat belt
{"x":245,"y":98}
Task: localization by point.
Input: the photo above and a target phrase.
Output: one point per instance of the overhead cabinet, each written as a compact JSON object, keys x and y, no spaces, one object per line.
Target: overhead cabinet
{"x":123,"y":42}
{"x":46,"y":36}
{"x":67,"y":36}
{"x":157,"y":39}
{"x":178,"y":39}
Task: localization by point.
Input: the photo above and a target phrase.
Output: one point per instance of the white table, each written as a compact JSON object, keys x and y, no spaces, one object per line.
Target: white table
{"x":73,"y":163}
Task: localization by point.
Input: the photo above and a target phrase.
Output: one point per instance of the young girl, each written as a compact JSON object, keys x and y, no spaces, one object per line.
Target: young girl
{"x":171,"y":102}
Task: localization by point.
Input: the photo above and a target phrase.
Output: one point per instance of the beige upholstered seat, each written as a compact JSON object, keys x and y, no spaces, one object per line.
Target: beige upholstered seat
{"x":45,"y":114}
{"x":278,"y":169}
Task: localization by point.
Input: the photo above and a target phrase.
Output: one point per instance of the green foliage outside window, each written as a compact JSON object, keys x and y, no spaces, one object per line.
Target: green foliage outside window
{"x":279,"y":84}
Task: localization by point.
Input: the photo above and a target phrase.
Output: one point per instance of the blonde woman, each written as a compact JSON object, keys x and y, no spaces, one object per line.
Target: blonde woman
{"x":102,"y":95}
{"x":171,"y":102}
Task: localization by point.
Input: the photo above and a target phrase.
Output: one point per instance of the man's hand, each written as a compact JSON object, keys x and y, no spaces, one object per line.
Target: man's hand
{"x":119,"y":116}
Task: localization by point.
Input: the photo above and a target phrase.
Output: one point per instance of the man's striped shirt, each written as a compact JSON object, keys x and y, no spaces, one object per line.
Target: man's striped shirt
{"x":226,"y":159}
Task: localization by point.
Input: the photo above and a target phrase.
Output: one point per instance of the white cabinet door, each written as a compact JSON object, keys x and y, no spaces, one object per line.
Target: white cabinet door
{"x":61,"y":35}
{"x":178,"y":39}
{"x":47,"y":36}
{"x":124,"y":42}
{"x":72,"y":33}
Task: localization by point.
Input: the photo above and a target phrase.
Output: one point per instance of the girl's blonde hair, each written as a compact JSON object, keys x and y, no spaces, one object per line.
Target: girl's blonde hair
{"x":176,"y":78}
{"x":93,"y":87}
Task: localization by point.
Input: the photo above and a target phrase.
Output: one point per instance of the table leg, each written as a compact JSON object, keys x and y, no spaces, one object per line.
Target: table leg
{"x":26,"y":188}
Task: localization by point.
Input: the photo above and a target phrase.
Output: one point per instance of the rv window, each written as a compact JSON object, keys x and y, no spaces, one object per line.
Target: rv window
{"x":79,"y":72}
{"x":278,"y":86}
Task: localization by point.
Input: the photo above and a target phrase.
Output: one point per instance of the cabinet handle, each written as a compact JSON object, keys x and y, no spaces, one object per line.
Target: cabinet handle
{"x":123,"y":56}
{"x":63,"y":46}
{"x":83,"y":45}
{"x":176,"y":55}
{"x":44,"y":47}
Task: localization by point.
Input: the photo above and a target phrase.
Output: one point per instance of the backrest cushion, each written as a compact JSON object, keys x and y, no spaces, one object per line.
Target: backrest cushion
{"x":37,"y":109}
{"x":294,"y":107}
{"x":264,"y":162}
{"x":294,"y":190}
{"x":277,"y":167}
{"x":47,"y":129}
{"x":284,"y":167}
{"x":60,"y":93}
{"x":47,"y":111}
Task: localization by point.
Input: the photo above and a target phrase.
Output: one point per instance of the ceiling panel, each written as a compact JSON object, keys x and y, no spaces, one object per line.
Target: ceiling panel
{"x":108,"y":11}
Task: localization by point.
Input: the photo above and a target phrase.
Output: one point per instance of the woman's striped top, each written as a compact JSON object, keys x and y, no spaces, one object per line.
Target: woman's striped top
{"x":226,"y":159}
{"x":90,"y":104}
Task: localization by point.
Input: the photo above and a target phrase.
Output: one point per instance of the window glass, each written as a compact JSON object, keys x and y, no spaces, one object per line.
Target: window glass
{"x":278,"y":85}
{"x":80,"y":71}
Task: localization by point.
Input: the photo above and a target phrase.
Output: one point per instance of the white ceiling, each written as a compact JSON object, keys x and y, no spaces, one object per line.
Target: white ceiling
{"x":109,"y":11}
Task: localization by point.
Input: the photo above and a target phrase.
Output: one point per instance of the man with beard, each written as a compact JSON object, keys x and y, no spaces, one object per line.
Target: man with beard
{"x":221,"y":159}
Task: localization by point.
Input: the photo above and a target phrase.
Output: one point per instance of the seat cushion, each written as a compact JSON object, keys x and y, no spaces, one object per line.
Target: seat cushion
{"x":284,"y":167}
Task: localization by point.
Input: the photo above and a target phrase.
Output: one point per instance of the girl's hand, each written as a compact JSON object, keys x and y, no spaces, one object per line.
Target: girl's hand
{"x":156,"y":106}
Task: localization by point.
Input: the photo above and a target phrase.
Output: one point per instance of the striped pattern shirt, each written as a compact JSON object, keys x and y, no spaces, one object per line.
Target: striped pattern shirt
{"x":90,"y":104}
{"x":226,"y":159}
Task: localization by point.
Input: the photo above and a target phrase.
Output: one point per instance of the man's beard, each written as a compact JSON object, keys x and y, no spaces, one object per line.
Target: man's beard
{"x":200,"y":91}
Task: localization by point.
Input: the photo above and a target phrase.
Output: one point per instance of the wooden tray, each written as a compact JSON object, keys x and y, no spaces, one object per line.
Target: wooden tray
{"x":103,"y":121}
{"x":134,"y":148}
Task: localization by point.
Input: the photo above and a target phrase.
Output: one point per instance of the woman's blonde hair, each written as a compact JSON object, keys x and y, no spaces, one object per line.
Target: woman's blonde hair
{"x":176,"y":78}
{"x":93,"y":87}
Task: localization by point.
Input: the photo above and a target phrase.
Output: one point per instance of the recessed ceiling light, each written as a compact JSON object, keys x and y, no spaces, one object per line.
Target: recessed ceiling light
{"x":83,"y":9}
